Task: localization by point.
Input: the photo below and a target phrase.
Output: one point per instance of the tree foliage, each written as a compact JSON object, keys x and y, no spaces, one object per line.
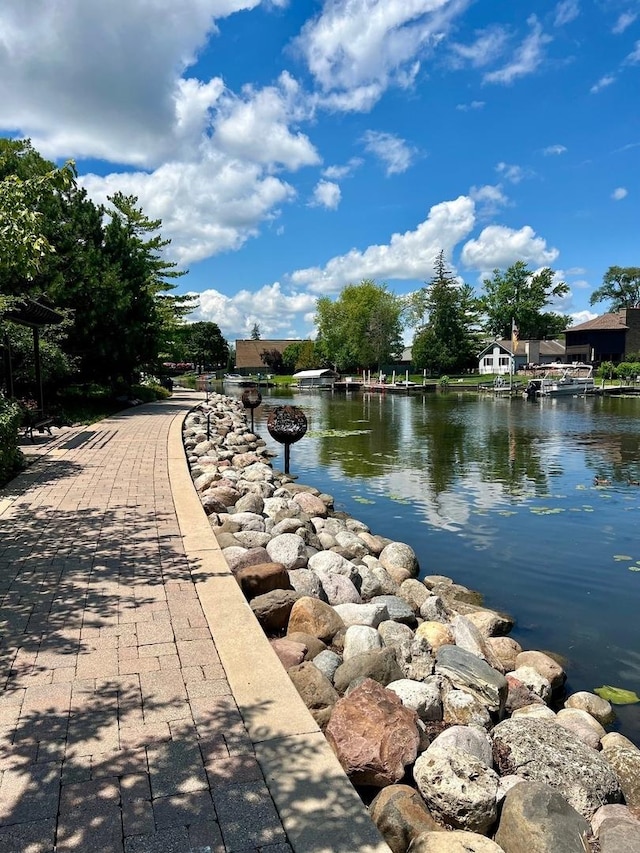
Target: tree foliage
{"x":105,"y":268}
{"x":519,"y":295}
{"x":301,"y":355}
{"x":273,"y":359}
{"x":361,"y":328}
{"x":620,"y":287}
{"x":203,"y":344}
{"x":445,"y":340}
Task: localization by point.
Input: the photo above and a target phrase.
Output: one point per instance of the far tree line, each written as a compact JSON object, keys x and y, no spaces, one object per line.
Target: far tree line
{"x":104,"y":268}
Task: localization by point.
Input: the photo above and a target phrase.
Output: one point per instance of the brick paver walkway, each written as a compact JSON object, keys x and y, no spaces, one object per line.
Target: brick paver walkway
{"x":118,"y":730}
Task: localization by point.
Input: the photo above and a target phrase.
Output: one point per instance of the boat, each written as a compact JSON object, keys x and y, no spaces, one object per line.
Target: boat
{"x":562,"y":380}
{"x":241,"y":381}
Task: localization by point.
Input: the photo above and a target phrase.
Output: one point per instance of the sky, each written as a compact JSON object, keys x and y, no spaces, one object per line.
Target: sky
{"x":292,"y":147}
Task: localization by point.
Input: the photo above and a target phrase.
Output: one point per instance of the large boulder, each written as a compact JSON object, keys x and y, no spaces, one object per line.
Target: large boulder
{"x":535,"y":818}
{"x":311,"y":616}
{"x":273,"y":609}
{"x":373,"y":735}
{"x":316,"y":691}
{"x":265,"y":577}
{"x":468,"y":672}
{"x":379,"y":665}
{"x":458,"y":841}
{"x":540,"y":752}
{"x":400,"y":814}
{"x":458,"y":788}
{"x":400,"y":561}
{"x":624,"y":757}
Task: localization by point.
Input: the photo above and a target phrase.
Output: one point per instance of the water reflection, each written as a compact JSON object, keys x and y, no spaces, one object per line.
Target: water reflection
{"x":500,"y":494}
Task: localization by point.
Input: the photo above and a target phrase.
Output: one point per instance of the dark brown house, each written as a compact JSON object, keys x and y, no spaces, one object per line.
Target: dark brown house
{"x":248,"y":353}
{"x":610,"y":337}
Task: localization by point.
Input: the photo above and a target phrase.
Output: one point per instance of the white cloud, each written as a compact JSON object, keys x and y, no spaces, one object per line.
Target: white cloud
{"x":602,"y":83}
{"x":355,"y":49}
{"x":486,"y":49}
{"x":473,"y":105}
{"x":619,"y":193}
{"x":256,"y":128}
{"x":554,"y":149}
{"x":526,"y":59}
{"x":206,"y":207}
{"x":100,"y":79}
{"x":326,"y":194}
{"x":489,"y":199}
{"x":393,"y":151}
{"x":499,"y":247}
{"x":275,"y":311}
{"x":513,"y":173}
{"x":406,"y":256}
{"x":634,"y":57}
{"x":624,"y":20}
{"x":576,"y":271}
{"x":582,"y":317}
{"x":566,"y":11}
{"x":337,"y":173}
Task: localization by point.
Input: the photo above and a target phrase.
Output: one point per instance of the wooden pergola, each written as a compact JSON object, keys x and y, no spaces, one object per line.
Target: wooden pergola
{"x":28,"y":312}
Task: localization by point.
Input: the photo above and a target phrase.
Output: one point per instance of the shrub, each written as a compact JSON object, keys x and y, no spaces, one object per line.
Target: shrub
{"x":149,"y":392}
{"x":11,"y":458}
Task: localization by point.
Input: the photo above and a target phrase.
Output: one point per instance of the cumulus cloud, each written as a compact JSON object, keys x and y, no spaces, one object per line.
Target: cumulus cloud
{"x":566,"y":11}
{"x":619,"y":193}
{"x":356,"y":49}
{"x":274,"y":310}
{"x":499,"y":247}
{"x":206,"y":207}
{"x":256,"y":126}
{"x":526,"y":59}
{"x":554,"y":149}
{"x":100,"y":79}
{"x":326,"y":194}
{"x":407,"y":256}
{"x":634,"y":57}
{"x":394,"y":152}
{"x":489,"y":199}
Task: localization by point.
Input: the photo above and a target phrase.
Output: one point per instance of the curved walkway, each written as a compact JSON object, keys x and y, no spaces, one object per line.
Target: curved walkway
{"x":141,"y":708}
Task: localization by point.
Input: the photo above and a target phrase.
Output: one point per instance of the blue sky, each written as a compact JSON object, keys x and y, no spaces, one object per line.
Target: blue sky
{"x":291,"y":148}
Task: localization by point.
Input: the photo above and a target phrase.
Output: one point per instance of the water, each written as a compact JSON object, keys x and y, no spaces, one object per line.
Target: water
{"x":499,"y":494}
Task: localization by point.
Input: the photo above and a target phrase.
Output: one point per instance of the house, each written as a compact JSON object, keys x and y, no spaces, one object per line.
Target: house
{"x":610,"y":337}
{"x":498,"y":356}
{"x":321,"y":378}
{"x":249,"y":353}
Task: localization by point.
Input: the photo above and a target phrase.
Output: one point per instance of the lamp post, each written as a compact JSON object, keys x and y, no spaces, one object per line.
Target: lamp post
{"x":287,"y":424}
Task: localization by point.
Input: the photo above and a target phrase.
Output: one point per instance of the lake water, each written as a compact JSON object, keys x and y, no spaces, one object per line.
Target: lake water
{"x":499,"y":494}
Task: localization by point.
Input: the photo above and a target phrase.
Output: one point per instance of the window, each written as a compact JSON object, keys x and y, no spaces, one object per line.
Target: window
{"x":503,"y":361}
{"x":488,"y":361}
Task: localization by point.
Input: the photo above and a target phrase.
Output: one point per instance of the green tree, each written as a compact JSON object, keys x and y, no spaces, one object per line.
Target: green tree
{"x":621,"y":287}
{"x":361,"y":328}
{"x":301,"y":355}
{"x":255,"y":332}
{"x":205,"y":346}
{"x":445,"y":340}
{"x":519,"y":295}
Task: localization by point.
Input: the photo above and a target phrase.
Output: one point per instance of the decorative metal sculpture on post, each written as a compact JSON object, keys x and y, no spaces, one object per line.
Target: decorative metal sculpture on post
{"x":251,"y":399}
{"x":287,"y":424}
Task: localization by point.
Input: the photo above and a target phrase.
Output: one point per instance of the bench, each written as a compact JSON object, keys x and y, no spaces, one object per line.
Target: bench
{"x":37,"y":420}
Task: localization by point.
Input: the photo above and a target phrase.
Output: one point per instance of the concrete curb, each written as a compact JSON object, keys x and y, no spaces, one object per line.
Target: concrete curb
{"x":318,"y":806}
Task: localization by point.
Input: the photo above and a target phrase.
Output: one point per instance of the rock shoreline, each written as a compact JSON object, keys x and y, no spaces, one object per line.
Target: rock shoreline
{"x":456,"y":737}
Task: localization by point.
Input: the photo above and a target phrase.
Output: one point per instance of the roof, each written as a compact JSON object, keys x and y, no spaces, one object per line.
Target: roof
{"x":544,"y":347}
{"x":616,"y":320}
{"x":28,"y":312}
{"x":314,"y":374}
{"x":248,"y":352}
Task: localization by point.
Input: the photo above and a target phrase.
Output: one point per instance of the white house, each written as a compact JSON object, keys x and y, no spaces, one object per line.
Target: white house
{"x":498,"y":357}
{"x":315,"y":378}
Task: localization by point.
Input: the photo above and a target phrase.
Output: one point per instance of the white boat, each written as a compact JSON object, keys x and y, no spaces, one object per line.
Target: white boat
{"x":563,"y":380}
{"x":248,"y":381}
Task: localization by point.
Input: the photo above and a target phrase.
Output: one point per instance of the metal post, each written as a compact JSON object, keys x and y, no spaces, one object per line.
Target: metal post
{"x":208,"y":425}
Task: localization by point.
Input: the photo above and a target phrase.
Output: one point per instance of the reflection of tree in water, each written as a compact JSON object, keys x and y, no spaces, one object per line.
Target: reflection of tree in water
{"x":374,"y":429}
{"x":512,"y":456}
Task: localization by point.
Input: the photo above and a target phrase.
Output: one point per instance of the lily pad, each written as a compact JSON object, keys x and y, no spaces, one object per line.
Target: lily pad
{"x":622,"y":558}
{"x":634,"y":568}
{"x":617,"y":695}
{"x":359,"y":499}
